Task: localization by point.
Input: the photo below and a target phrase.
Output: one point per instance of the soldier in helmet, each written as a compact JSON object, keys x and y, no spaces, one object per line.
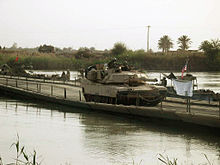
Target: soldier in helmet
{"x":112,"y":63}
{"x":125,"y":66}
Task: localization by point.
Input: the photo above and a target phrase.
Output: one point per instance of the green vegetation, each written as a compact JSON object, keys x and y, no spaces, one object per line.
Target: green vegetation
{"x":211,"y":49}
{"x":61,"y":59}
{"x":165,"y":43}
{"x":212,"y":52}
{"x":166,"y":160}
{"x":184,"y":42}
{"x":22,"y":157}
{"x":119,"y":48}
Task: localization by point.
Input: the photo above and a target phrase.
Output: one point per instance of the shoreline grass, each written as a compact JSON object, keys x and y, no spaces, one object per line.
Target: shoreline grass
{"x":139,"y":59}
{"x":23,"y":157}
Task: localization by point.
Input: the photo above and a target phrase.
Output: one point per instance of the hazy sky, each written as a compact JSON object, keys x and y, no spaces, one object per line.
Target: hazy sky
{"x":101,"y":23}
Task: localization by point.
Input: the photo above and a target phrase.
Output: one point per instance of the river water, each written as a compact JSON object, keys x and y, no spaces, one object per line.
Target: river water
{"x":63,"y":135}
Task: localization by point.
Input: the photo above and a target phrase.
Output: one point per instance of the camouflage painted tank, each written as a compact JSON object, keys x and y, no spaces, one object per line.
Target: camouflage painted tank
{"x":120,"y":85}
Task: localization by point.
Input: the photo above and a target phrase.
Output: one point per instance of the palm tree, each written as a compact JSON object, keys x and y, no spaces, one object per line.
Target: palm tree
{"x":165,"y":43}
{"x":184,"y":41}
{"x":211,"y":48}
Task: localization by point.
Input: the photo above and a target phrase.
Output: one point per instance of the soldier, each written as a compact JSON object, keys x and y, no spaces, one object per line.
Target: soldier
{"x":63,"y":76}
{"x":125,"y":66}
{"x":68,"y":74}
{"x":112,"y":63}
{"x":164,"y":82}
{"x":88,"y":69}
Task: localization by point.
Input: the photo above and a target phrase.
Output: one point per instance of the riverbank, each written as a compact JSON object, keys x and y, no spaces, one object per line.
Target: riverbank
{"x":173,"y":61}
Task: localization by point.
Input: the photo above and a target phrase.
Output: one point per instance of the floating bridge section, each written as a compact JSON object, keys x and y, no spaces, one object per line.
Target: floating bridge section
{"x":196,"y":112}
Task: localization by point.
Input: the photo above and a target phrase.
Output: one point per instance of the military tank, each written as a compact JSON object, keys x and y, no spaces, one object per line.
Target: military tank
{"x":118,"y":84}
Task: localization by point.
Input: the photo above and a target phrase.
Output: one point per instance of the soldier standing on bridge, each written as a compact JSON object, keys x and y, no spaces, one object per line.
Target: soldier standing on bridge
{"x":68,"y":74}
{"x":63,"y":76}
{"x":164,"y":82}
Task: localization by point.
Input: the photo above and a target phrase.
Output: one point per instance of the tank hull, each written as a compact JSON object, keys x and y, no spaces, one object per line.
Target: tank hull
{"x":144,"y":95}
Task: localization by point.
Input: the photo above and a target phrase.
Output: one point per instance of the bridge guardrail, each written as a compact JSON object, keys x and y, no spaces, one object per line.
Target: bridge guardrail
{"x":67,"y":92}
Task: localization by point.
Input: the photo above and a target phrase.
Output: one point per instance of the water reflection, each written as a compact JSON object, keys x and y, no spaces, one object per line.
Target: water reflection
{"x":64,"y":134}
{"x":128,"y":138}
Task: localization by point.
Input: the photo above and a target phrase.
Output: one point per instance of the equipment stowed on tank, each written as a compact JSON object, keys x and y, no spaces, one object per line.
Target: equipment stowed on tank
{"x":118,"y":84}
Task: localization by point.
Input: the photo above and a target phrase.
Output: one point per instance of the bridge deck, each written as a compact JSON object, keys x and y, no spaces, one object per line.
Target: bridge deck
{"x":71,"y":92}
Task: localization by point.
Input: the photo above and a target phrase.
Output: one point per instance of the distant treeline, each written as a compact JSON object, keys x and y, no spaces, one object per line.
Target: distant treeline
{"x":67,"y":58}
{"x":139,"y":59}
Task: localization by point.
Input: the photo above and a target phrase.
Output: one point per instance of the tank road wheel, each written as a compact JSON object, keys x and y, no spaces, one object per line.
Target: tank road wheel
{"x":96,"y":99}
{"x":87,"y":97}
{"x":103,"y":99}
{"x":90,"y":98}
{"x":110,"y":100}
{"x":106,"y":100}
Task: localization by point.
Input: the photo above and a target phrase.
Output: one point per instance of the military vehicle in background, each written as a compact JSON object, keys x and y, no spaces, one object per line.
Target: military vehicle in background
{"x":13,"y":70}
{"x":20,"y":70}
{"x":119,"y":84}
{"x":46,"y":49}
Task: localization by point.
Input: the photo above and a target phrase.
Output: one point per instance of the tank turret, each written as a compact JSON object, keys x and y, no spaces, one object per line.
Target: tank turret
{"x":118,"y":84}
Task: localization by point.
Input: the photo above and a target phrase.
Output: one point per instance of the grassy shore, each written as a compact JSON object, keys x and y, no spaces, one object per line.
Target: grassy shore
{"x":173,"y":61}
